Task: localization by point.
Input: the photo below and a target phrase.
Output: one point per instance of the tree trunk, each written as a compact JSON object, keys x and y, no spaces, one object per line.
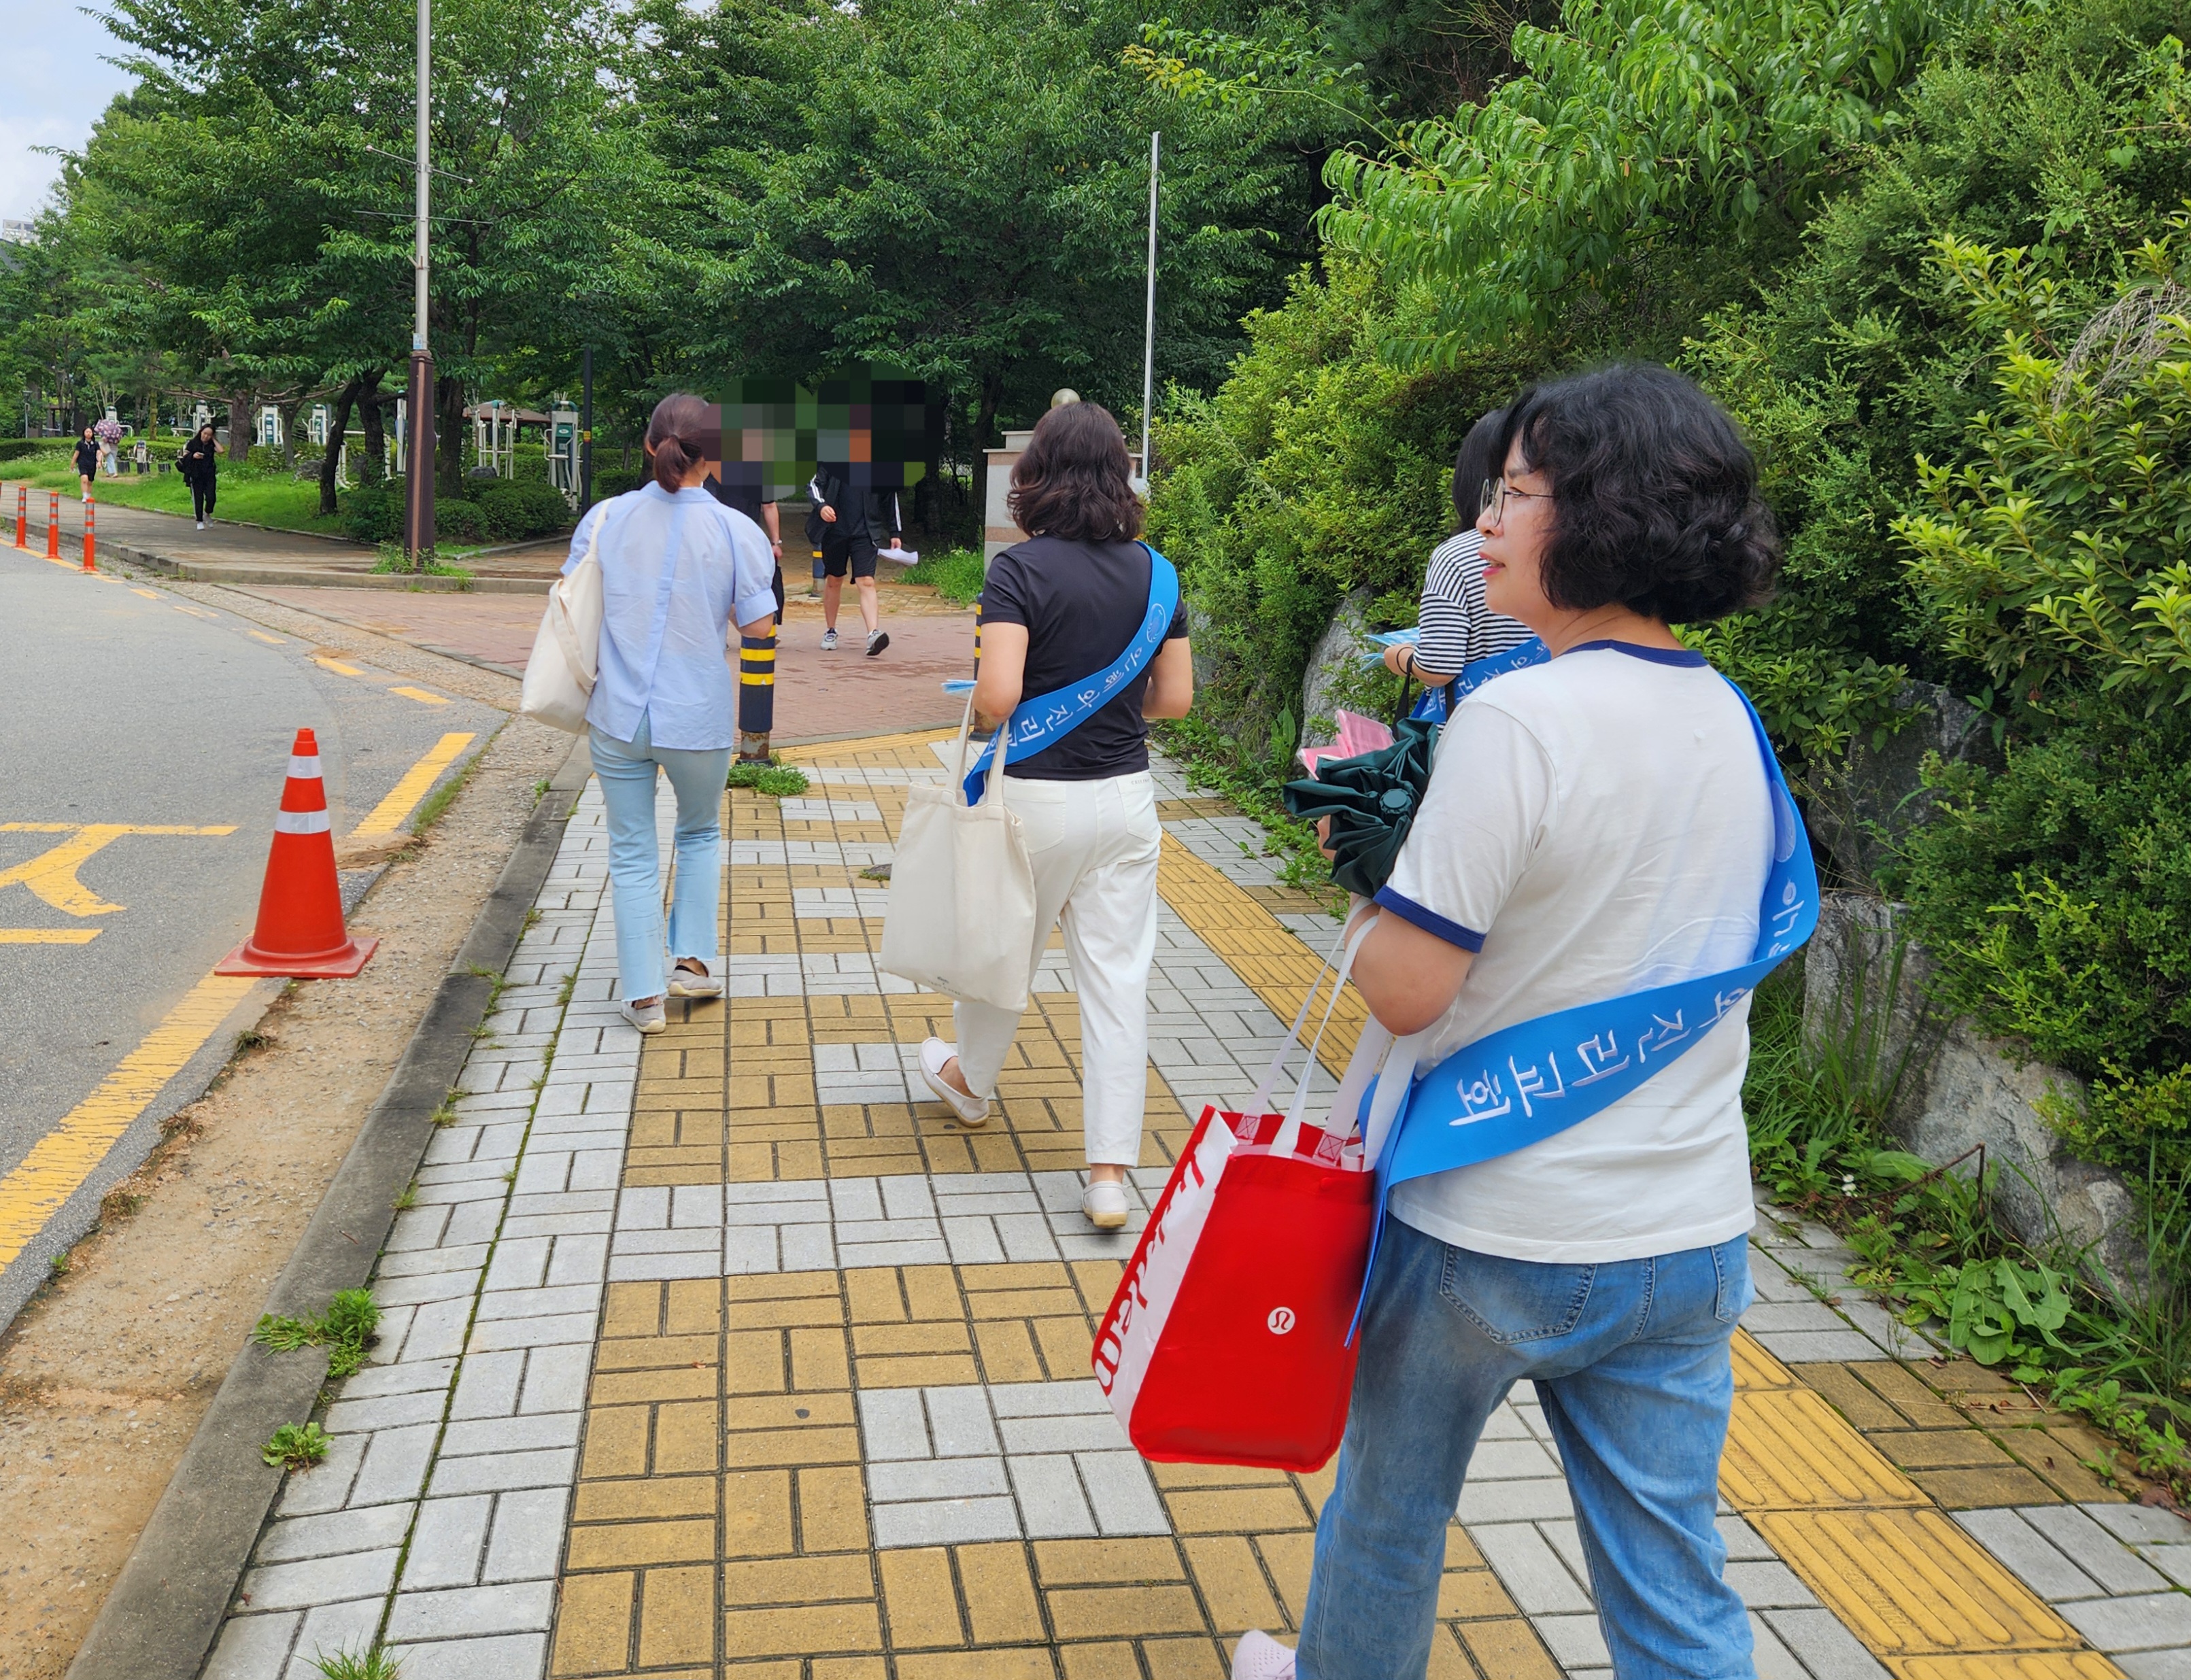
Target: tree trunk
{"x":337,"y":423}
{"x":449,"y":399}
{"x":373,"y":469}
{"x":243,"y":422}
{"x":289,"y":412}
{"x":985,"y":420}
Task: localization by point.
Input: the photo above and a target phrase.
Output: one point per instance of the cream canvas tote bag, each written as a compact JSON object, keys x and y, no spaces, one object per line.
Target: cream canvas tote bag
{"x":961,"y":915}
{"x":559,"y":676}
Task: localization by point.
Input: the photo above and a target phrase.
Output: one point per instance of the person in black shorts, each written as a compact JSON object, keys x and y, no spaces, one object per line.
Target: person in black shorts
{"x":850,"y":520}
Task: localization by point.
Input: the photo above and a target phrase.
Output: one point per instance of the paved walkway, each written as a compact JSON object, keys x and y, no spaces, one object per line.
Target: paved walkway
{"x":720,"y":1354}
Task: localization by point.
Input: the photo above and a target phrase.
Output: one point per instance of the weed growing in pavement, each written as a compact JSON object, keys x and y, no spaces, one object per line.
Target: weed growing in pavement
{"x":497,"y":982}
{"x":345,"y":1329}
{"x":59,"y":1265}
{"x":570,"y":984}
{"x":438,"y":802}
{"x":252,"y":1039}
{"x":409,"y":1200}
{"x":539,"y":792}
{"x":777,"y":779}
{"x":375,"y":1664}
{"x":392,"y":559}
{"x":446,"y":1114}
{"x":295,"y":1446}
{"x":533,"y":916}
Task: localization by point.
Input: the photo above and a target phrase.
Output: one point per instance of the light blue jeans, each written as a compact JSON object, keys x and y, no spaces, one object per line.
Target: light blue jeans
{"x":626,"y":770}
{"x":1630,"y":1362}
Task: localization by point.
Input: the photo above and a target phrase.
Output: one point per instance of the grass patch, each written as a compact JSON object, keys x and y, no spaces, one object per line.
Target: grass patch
{"x":955,"y":574}
{"x":253,"y":495}
{"x":376,"y":1664}
{"x":295,"y":1446}
{"x":409,"y":1200}
{"x":437,"y":804}
{"x":779,"y":781}
{"x":345,"y":1329}
{"x":393,"y":561}
{"x":1210,"y":765}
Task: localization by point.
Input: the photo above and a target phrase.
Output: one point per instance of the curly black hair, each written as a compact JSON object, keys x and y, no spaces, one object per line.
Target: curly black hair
{"x":1654,"y":495}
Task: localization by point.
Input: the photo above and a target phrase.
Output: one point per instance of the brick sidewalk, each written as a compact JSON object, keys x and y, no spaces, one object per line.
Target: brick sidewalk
{"x":720,"y":1354}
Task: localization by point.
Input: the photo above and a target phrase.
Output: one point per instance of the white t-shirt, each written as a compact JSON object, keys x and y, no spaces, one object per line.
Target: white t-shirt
{"x":1593,"y":826}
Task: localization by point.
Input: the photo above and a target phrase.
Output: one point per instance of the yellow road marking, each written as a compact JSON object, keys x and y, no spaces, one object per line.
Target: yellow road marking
{"x":52,"y":874}
{"x":340,"y":669}
{"x":388,"y":816}
{"x":260,"y":635}
{"x":49,"y":936}
{"x":59,"y":1162}
{"x":149,"y":594}
{"x":421,"y":695}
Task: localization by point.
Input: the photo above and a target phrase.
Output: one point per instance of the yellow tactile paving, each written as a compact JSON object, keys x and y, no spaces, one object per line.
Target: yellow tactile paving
{"x":721,"y":1522}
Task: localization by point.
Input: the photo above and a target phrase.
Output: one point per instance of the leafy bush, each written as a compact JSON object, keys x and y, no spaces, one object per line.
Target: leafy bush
{"x":955,"y":574}
{"x":512,"y":510}
{"x":374,"y":513}
{"x":616,"y":480}
{"x":14,"y":449}
{"x":459,"y":520}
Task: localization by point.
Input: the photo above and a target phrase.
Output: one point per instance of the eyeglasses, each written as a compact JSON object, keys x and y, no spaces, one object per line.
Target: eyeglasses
{"x":1495,"y":492}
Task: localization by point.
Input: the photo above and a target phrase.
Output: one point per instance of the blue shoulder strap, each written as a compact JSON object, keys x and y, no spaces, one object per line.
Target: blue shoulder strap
{"x":1520,"y":1085}
{"x":1045,"y":720}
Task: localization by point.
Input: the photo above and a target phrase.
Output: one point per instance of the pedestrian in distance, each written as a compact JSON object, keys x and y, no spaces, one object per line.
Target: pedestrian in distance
{"x":1595,"y":825}
{"x":1456,"y":628}
{"x":846,"y":522}
{"x":1056,"y":610}
{"x":678,"y":570}
{"x":87,"y":459}
{"x":200,"y":465}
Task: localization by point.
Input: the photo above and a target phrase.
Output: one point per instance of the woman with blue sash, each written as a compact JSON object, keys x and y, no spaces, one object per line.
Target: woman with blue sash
{"x":1083,"y":639}
{"x":1604,"y":864}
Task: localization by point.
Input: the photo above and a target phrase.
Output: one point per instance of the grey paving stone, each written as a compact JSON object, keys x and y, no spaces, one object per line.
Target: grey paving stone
{"x":1768,"y":1586}
{"x":407,"y":1378}
{"x":900,"y":1479}
{"x":515,"y":1608}
{"x":959,"y":1422}
{"x":1791,"y":1316}
{"x":2095,"y":1551}
{"x":1118,"y":1489}
{"x":330,"y":1628}
{"x":1743,"y":1543}
{"x":2172,"y":1561}
{"x":341,"y":1531}
{"x":1576,"y":1641}
{"x":526,"y":1542}
{"x":395,"y":1465}
{"x":2035,"y":1560}
{"x":437,"y":1331}
{"x":1509,"y":1460}
{"x":326,"y":1486}
{"x":1827,"y":1649}
{"x":446,"y":1546}
{"x":1051,"y":1504}
{"x":353,"y":1418}
{"x":511,"y":1434}
{"x":945,"y":1522}
{"x":254,"y":1648}
{"x":1530,"y":1569}
{"x":1087,"y":1432}
{"x":2144,"y":1622}
{"x":1772,"y":1660}
{"x":507,"y":1656}
{"x":552,"y":1330}
{"x":892,"y":1425}
{"x":2144,"y":1524}
{"x":2165,"y":1665}
{"x":486,"y":1386}
{"x":552,"y":1468}
{"x":1804,"y":1347}
{"x":318,"y":1580}
{"x":555,"y":1381}
{"x":1513,"y":1502}
{"x":423,"y":1287}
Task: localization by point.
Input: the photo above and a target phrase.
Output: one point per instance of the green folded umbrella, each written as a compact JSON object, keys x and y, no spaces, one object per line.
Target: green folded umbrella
{"x":1371,"y":801}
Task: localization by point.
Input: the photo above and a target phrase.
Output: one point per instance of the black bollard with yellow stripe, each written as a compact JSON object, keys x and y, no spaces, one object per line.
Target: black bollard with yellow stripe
{"x":756,"y":695}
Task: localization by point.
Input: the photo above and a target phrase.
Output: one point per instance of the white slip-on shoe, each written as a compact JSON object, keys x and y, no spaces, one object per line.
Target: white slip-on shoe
{"x":1259,"y":1657}
{"x":1104,"y":1203}
{"x":684,"y":982}
{"x":648,"y":1018}
{"x":971,"y":1111}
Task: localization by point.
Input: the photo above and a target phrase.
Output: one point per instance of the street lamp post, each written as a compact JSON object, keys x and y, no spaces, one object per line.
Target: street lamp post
{"x":1149,"y":317}
{"x":418,"y":482}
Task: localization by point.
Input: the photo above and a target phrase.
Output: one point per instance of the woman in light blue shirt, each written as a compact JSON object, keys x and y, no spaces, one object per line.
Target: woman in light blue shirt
{"x":678,"y":570}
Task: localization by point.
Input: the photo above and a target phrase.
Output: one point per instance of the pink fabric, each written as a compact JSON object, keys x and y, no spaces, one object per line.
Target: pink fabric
{"x":1356,"y":734}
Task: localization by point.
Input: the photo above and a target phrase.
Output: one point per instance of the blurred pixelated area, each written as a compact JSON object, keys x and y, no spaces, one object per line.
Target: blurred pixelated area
{"x":873,"y":424}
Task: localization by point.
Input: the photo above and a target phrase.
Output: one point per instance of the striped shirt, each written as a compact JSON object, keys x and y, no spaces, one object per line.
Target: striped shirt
{"x":1457,"y":627}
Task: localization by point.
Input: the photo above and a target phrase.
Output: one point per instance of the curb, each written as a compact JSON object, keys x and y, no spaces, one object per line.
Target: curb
{"x":166,"y":1607}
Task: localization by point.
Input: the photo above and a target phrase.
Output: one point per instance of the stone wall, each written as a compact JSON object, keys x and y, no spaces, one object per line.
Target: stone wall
{"x":1949,"y":1086}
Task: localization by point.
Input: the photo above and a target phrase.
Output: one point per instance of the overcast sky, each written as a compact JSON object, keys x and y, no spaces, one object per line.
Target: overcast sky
{"x":57,"y":83}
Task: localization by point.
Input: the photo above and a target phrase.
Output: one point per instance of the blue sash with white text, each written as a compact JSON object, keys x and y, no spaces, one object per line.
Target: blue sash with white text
{"x":1043,"y":721}
{"x":1521,"y":1084}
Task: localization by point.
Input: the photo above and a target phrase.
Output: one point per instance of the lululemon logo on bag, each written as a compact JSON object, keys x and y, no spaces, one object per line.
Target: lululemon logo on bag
{"x":1281,"y":1320}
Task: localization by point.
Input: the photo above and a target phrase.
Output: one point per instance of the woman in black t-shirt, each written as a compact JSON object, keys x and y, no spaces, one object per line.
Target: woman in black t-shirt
{"x":87,"y":459}
{"x":1058,"y":607}
{"x":200,"y":466}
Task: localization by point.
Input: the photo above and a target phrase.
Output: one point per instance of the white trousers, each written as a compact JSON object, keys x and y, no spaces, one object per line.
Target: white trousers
{"x":1093,"y":846}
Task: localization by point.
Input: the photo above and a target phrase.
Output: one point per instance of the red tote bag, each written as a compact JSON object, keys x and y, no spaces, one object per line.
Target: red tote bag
{"x":1227,"y":1341}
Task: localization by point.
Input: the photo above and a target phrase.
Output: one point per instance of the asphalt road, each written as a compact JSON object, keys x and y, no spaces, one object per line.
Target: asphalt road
{"x":124,"y":704}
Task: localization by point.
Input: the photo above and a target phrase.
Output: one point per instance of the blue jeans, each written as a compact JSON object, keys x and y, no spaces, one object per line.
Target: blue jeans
{"x":1630,"y":1362}
{"x":627,"y":772}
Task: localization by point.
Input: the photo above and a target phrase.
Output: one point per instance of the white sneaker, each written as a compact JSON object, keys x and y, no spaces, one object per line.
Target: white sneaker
{"x":828,"y":641}
{"x":1259,"y":1657}
{"x":684,"y":982}
{"x":201,"y":524}
{"x":973,"y":1112}
{"x":1105,"y":1205}
{"x":648,"y":1018}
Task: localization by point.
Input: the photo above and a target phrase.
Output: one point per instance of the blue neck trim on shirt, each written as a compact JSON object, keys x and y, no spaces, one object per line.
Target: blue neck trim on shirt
{"x":1635,"y":651}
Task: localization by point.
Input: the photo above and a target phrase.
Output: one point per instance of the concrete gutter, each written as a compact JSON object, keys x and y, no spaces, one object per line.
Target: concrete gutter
{"x":166,"y":1607}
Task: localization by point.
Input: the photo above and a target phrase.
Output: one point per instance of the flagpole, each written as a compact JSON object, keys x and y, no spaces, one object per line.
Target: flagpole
{"x":1149,"y":316}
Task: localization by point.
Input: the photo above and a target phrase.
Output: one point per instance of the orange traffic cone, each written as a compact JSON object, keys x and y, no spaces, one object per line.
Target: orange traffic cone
{"x":300,"y":932}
